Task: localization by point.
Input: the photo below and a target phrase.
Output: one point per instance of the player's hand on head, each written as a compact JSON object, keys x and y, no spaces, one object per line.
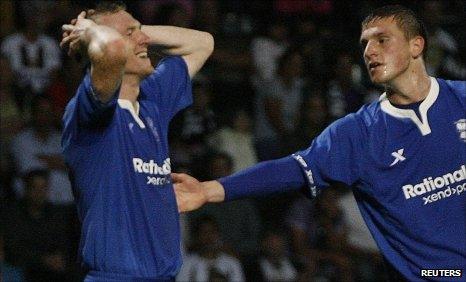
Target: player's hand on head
{"x":73,"y":32}
{"x":190,"y":195}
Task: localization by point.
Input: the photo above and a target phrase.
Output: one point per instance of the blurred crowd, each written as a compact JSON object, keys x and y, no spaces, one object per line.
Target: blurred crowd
{"x":280,"y":73}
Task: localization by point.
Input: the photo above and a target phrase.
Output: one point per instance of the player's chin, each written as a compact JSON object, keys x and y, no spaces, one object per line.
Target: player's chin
{"x":145,"y":69}
{"x":148,"y":69}
{"x":379,"y":79}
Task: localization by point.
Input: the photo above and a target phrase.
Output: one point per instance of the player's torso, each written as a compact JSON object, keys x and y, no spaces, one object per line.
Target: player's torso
{"x":414,"y":181}
{"x":409,"y":163}
{"x":132,"y":200}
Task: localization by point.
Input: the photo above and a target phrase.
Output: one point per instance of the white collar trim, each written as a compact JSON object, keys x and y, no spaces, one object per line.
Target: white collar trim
{"x":126,"y":104}
{"x":422,"y":124}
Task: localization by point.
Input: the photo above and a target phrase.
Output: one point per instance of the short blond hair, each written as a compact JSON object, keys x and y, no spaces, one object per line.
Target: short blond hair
{"x":105,"y":7}
{"x":406,"y":20}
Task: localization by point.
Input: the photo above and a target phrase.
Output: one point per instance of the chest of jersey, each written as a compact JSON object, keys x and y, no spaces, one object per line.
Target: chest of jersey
{"x":142,"y":135}
{"x":418,"y":165}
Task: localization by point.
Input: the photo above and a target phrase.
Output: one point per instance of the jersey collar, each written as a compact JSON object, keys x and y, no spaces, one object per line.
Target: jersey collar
{"x":126,"y":104}
{"x":423,"y":123}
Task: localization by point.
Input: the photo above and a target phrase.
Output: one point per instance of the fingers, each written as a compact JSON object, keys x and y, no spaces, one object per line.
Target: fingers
{"x":82,"y":15}
{"x":68,"y":27}
{"x":69,"y":39}
{"x":74,"y":47}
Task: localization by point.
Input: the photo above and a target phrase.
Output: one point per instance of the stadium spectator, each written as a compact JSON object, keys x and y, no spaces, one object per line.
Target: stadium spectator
{"x":236,"y":140}
{"x":198,"y":122}
{"x":442,"y":56}
{"x":361,"y":247}
{"x":38,"y":147}
{"x":278,"y":108}
{"x":239,"y":222}
{"x":266,"y":50}
{"x":209,"y":262}
{"x":345,"y":93}
{"x":302,"y":229}
{"x":313,"y":118}
{"x":34,"y":57}
{"x":275,"y":264}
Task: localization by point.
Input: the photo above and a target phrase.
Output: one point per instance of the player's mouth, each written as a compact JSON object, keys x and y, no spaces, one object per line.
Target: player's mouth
{"x":374,"y":66}
{"x":142,"y":55}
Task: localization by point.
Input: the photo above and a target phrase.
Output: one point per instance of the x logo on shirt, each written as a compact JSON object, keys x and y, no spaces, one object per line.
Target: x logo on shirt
{"x":398,"y":155}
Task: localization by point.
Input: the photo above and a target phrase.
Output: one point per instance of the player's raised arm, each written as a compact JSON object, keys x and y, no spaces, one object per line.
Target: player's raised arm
{"x":106,"y":50}
{"x":193,"y":45}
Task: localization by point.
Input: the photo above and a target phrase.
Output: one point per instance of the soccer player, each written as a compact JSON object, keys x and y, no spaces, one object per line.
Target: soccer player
{"x":404,"y":157}
{"x":115,"y":141}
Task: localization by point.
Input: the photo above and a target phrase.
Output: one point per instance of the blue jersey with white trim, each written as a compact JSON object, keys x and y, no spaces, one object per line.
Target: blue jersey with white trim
{"x":408,"y":175}
{"x":120,"y":172}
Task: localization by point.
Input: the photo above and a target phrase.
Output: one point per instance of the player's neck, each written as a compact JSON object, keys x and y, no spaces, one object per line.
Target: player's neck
{"x":130,"y":88}
{"x":410,"y":87}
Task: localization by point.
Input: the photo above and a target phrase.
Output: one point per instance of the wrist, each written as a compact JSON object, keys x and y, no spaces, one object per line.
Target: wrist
{"x":214,"y":191}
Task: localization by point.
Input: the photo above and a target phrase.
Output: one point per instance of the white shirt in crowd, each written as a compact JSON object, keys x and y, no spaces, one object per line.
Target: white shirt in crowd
{"x":197,"y":269}
{"x":285,"y":271}
{"x":32,"y":62}
{"x":26,"y":149}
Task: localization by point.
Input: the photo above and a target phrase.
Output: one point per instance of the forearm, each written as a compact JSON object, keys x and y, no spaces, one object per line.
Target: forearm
{"x":193,"y":45}
{"x":266,"y":178}
{"x":107,"y":52}
{"x":177,"y":40}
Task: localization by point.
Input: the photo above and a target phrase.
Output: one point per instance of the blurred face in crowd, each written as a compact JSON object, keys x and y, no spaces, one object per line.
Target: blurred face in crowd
{"x":293,"y":67}
{"x":37,"y":189}
{"x":317,"y":110}
{"x":209,"y":237}
{"x":242,"y":122}
{"x":345,"y":67}
{"x":278,"y":32}
{"x":220,"y":167}
{"x":274,"y":246}
{"x":387,"y":52}
{"x":201,"y":96}
{"x":138,"y":62}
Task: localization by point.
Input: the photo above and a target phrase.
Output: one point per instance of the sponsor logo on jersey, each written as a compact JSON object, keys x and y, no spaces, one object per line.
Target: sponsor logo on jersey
{"x":447,"y":185}
{"x":398,"y":155}
{"x":461,"y":128}
{"x":158,"y":174}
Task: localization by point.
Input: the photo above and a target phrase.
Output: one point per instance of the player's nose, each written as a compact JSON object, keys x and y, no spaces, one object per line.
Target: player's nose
{"x":143,"y":39}
{"x":371,"y":50}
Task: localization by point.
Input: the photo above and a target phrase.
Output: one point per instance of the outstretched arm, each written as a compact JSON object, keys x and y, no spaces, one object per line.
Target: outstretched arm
{"x":193,"y":45}
{"x":192,"y":194}
{"x":266,"y":178}
{"x":106,"y":50}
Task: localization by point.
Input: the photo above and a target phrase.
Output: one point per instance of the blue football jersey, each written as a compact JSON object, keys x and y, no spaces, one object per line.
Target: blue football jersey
{"x":120,"y":171}
{"x":408,"y":174}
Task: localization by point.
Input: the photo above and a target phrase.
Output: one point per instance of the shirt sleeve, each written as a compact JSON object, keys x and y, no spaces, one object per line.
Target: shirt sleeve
{"x":169,"y":86}
{"x":85,"y":110}
{"x":334,"y":156}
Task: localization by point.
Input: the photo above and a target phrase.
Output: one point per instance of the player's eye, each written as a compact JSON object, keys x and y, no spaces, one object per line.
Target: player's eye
{"x":383,"y":40}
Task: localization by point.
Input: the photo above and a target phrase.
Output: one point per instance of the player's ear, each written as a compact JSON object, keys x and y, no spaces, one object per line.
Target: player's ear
{"x":417,"y":46}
